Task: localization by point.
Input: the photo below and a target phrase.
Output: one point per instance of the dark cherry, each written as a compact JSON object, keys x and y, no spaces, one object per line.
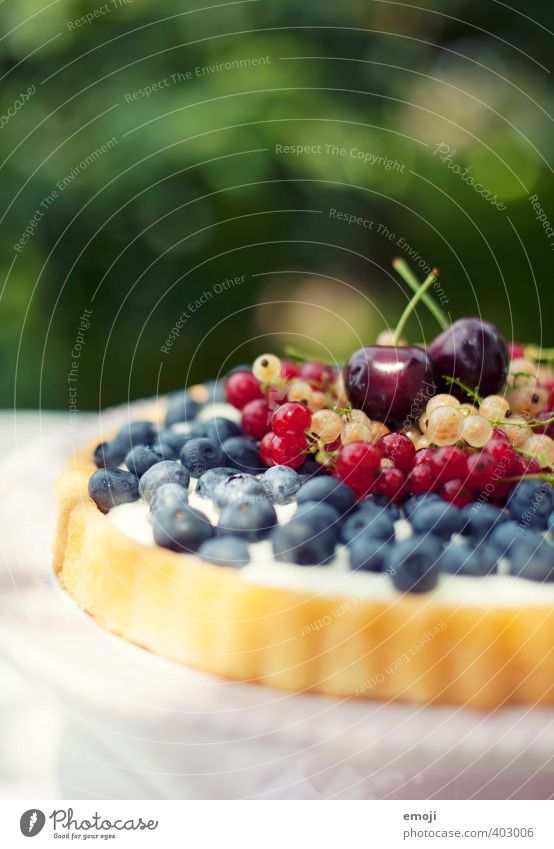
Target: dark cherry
{"x":475,"y":352}
{"x":390,"y":384}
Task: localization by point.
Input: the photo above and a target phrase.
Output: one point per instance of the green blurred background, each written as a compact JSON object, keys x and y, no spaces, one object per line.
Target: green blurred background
{"x":192,"y":188}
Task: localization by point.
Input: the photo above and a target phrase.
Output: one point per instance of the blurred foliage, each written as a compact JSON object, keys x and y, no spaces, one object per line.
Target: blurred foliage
{"x":192,"y":190}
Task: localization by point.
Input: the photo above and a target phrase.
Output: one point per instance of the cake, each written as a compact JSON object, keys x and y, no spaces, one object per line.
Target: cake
{"x":380,"y":530}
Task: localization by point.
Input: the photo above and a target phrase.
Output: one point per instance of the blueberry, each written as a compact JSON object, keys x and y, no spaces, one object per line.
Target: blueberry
{"x":367,"y":554}
{"x":109,"y":454}
{"x":110,"y":487}
{"x":530,"y":502}
{"x":225,"y":551}
{"x":216,"y":391}
{"x":181,"y":529}
{"x":550,"y":524}
{"x":310,"y":468}
{"x":168,"y":471}
{"x":181,"y":408}
{"x":532,"y":559}
{"x":375,"y":523}
{"x":250,"y":520}
{"x":480,"y":519}
{"x":504,"y":536}
{"x":219,"y":429}
{"x":238,"y":489}
{"x":329,"y":490}
{"x":241,"y":453}
{"x":319,"y":516}
{"x":173,"y":438}
{"x":139,"y":459}
{"x":296,"y":542}
{"x":414,"y":564}
{"x":281,"y":483}
{"x":168,"y":496}
{"x":459,"y":558}
{"x":198,"y":430}
{"x":415,"y":501}
{"x":210,"y":479}
{"x":438,"y":518}
{"x":392,"y":509}
{"x":136,"y":433}
{"x":199,"y":455}
{"x":165,"y":450}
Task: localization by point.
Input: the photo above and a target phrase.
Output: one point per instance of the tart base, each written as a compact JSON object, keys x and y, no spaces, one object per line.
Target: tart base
{"x":210,"y":618}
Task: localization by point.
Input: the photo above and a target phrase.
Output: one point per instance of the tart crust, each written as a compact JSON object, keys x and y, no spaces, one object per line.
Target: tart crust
{"x":208,"y":617}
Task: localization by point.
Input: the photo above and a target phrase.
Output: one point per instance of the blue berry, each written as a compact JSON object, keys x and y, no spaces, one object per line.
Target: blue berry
{"x":168,"y":496}
{"x":281,"y":484}
{"x":181,"y":529}
{"x":530,"y":502}
{"x":392,"y":509}
{"x":173,"y":438}
{"x":219,"y":429}
{"x":165,"y":450}
{"x":109,"y":454}
{"x":504,"y":536}
{"x":199,"y":455}
{"x":110,"y":487}
{"x":531,"y":557}
{"x":139,"y":459}
{"x":168,"y":471}
{"x":296,"y":542}
{"x":414,"y":564}
{"x":310,"y":468}
{"x":136,"y":433}
{"x":415,"y":501}
{"x":238,"y":489}
{"x":438,"y":518}
{"x":319,"y":516}
{"x":181,"y":408}
{"x":210,"y":479}
{"x":459,"y":558}
{"x":480,"y":519}
{"x":367,"y":554}
{"x":329,"y":490}
{"x":371,"y":522}
{"x":216,"y":391}
{"x":241,"y":453}
{"x":198,"y":430}
{"x":250,"y":520}
{"x":550,"y":524}
{"x":225,"y":551}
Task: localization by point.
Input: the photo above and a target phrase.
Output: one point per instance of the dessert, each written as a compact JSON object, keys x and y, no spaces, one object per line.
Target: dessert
{"x":382,"y":531}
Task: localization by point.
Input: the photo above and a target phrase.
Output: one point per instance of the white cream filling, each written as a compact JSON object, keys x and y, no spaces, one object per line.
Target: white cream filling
{"x":336,"y":577}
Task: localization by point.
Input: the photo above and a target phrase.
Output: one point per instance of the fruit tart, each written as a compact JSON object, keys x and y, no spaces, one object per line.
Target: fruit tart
{"x":380,"y":530}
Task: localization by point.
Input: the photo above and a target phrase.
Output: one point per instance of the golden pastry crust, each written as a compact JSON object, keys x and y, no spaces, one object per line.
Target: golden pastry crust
{"x":210,"y":618}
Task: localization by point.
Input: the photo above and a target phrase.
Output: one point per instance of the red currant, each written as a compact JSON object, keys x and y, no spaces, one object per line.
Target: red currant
{"x":422,"y":479}
{"x":316,"y":373}
{"x":481,"y":469}
{"x":499,"y":434}
{"x":516,"y":350}
{"x":547,"y":429}
{"x":242,"y":387}
{"x":424,"y":455}
{"x":264,"y":448}
{"x":357,"y":464}
{"x":255,"y":419}
{"x":451,"y":462}
{"x":399,"y":449}
{"x":457,"y":492}
{"x":503,"y":453}
{"x":289,"y":369}
{"x":291,"y":419}
{"x":288,"y":452}
{"x":391,"y":483}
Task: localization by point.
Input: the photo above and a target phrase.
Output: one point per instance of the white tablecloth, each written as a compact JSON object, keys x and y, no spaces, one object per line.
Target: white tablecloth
{"x":85,"y":715}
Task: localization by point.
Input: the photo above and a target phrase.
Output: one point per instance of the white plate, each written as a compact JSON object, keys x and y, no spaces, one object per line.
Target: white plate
{"x":138,"y":726}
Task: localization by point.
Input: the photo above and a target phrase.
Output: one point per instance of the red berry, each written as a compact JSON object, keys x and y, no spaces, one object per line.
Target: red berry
{"x":422,"y":479}
{"x":549,"y":428}
{"x":523,"y":466}
{"x":424,"y":455}
{"x":291,"y":419}
{"x":481,"y":470}
{"x":242,"y":387}
{"x":391,"y":483}
{"x":499,"y":434}
{"x":457,"y":492}
{"x":289,"y":369}
{"x":357,"y":464}
{"x":451,"y":462}
{"x":264,"y":448}
{"x":316,"y":373}
{"x":503,"y":453}
{"x":288,"y":452}
{"x":276,"y":396}
{"x":516,"y":350}
{"x":255,"y":419}
{"x":399,"y":449}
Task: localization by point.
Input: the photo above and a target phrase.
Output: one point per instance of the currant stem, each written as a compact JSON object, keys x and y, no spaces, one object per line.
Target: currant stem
{"x":429,"y":280}
{"x":407,"y":275}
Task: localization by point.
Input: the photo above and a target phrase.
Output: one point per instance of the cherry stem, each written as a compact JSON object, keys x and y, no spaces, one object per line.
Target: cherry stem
{"x":407,"y":275}
{"x":429,"y":280}
{"x":305,"y":356}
